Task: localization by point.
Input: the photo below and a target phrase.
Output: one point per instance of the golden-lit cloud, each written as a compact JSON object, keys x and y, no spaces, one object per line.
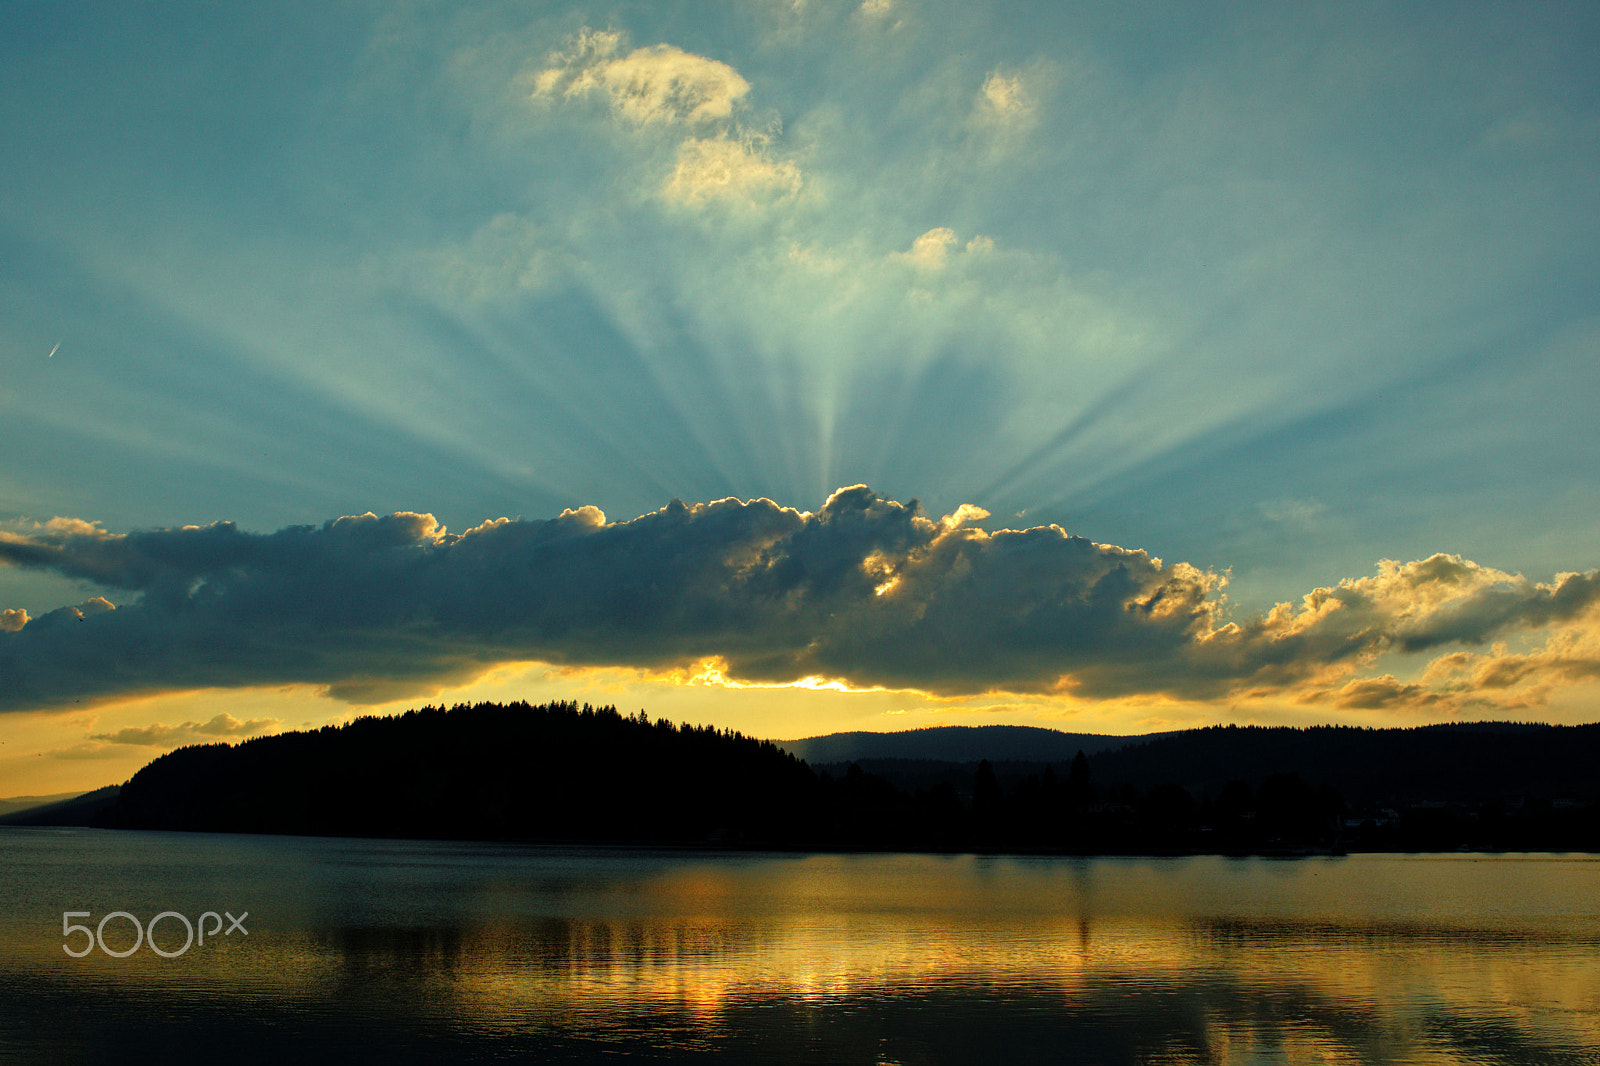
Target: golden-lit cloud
{"x":1570,"y":655}
{"x":1386,"y":693}
{"x":718,"y":159}
{"x":13,"y":619}
{"x":929,"y":250}
{"x":885,"y":13}
{"x":87,"y":750}
{"x":723,"y":168}
{"x":657,"y":84}
{"x":866,"y":593}
{"x":933,"y":250}
{"x":1004,"y":99}
{"x":158,"y":735}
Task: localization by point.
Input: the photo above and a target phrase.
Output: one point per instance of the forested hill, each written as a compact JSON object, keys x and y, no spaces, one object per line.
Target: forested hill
{"x":562,"y":772}
{"x":556,"y":772}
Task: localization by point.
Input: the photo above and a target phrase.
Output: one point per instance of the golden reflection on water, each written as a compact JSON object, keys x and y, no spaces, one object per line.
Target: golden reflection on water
{"x":703,"y":939}
{"x":1316,"y":961}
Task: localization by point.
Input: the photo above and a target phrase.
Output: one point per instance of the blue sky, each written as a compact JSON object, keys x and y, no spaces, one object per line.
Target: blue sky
{"x":1274,"y":291}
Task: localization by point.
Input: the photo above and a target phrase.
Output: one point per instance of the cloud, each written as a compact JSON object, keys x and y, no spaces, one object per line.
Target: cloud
{"x":721,"y":168}
{"x":865,"y":591}
{"x":932,"y":250}
{"x":87,"y":750}
{"x":1407,"y":608}
{"x":12,"y":620}
{"x":1296,"y":513}
{"x":170,"y":736}
{"x":1385,"y":693}
{"x":697,"y":98}
{"x":929,"y":250}
{"x":1570,"y":655}
{"x":1007,"y":110}
{"x":659,"y":84}
{"x":881,"y":13}
{"x":667,"y":84}
{"x":1004,"y":99}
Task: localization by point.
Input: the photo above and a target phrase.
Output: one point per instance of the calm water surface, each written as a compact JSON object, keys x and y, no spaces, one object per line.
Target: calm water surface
{"x":427,"y":951}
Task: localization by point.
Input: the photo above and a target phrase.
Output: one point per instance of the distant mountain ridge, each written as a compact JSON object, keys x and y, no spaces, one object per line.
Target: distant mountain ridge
{"x":69,"y":808}
{"x":958,"y":743}
{"x":12,"y":804}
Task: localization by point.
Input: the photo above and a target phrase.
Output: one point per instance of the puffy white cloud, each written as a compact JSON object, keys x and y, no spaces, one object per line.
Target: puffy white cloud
{"x":12,"y":620}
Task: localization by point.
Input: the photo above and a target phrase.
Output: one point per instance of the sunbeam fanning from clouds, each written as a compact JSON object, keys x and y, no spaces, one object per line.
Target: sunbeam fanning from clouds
{"x":1272,"y":292}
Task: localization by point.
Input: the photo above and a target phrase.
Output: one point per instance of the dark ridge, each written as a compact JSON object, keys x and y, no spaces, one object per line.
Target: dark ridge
{"x":1465,"y":761}
{"x":955,"y":743}
{"x":1457,"y":762}
{"x":562,"y":772}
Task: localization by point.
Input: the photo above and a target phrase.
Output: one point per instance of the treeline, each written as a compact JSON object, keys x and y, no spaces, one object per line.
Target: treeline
{"x":564,"y":772}
{"x":1472,"y":762}
{"x":1070,"y":812}
{"x":1493,"y":785}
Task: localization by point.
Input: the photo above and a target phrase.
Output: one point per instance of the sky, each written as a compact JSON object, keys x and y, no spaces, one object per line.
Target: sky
{"x":793,"y":366}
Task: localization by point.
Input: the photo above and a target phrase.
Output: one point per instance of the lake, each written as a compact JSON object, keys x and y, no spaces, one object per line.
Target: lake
{"x":382,"y":950}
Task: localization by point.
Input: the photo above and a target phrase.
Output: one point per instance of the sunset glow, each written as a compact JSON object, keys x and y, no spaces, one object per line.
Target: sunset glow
{"x":793,"y":367}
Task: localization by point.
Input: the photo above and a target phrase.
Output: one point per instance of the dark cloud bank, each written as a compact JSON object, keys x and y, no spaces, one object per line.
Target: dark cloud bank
{"x":865,"y":590}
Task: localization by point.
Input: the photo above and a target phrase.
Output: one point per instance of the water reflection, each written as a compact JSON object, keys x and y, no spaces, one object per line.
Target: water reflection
{"x":421,"y":950}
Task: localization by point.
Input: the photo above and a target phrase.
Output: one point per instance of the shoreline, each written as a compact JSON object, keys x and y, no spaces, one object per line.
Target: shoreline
{"x":723,"y":848}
